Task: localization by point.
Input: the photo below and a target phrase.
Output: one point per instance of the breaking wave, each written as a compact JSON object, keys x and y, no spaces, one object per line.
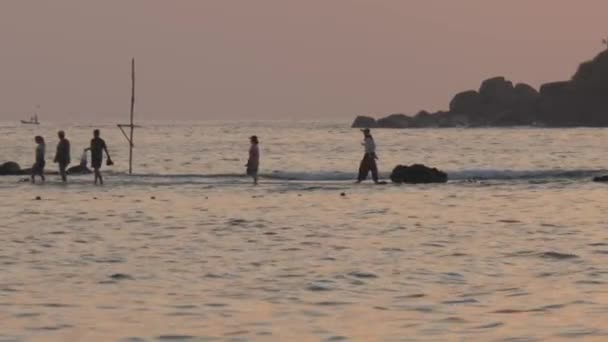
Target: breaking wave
{"x":489,"y":174}
{"x":341,"y":176}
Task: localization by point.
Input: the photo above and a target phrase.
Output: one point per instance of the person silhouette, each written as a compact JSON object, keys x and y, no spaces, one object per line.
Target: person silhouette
{"x":253,"y":163}
{"x":62,"y":156}
{"x":98,"y":146}
{"x":38,"y":167}
{"x":368,"y":163}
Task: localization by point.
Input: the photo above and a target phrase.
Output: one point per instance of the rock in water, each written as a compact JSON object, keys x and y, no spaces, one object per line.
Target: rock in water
{"x":601,"y":179}
{"x":10,"y":169}
{"x":364,"y":122}
{"x":417,"y":174}
{"x":395,"y":121}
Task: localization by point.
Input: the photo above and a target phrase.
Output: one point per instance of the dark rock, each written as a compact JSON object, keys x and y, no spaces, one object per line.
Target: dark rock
{"x":395,"y":121}
{"x":497,"y":91}
{"x":364,"y":122}
{"x":556,"y":89}
{"x":38,"y":198}
{"x":10,"y":169}
{"x":525,"y":93}
{"x":556,"y":105}
{"x":592,"y":76}
{"x":121,"y":276}
{"x":467,"y":103}
{"x":581,"y":101}
{"x":416,"y":174}
{"x":601,"y":179}
{"x":425,"y":119}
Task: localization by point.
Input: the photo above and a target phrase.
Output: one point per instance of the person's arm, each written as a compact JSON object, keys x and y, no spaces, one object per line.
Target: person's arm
{"x":105,"y":148}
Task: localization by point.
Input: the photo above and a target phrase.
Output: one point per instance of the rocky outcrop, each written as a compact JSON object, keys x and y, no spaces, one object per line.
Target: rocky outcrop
{"x":581,"y":101}
{"x":417,"y":174}
{"x":468,"y":103}
{"x":395,"y":121}
{"x":364,"y":122}
{"x":10,"y":169}
{"x":601,"y":179}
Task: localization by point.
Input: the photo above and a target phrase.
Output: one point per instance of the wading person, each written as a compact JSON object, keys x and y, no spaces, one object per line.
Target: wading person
{"x":368,"y":163}
{"x":62,"y":156}
{"x":38,"y":168}
{"x":253,"y":163}
{"x":98,"y":146}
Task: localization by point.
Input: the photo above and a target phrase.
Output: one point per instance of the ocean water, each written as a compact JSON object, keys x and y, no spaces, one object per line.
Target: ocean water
{"x":513,"y":248}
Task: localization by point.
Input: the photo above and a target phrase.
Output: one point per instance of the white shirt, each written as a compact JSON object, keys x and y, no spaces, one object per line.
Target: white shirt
{"x":370,"y":145}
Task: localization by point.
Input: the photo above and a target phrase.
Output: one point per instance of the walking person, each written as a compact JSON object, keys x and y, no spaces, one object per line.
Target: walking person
{"x":62,"y":156}
{"x":368,"y":163}
{"x":38,"y":168}
{"x":98,"y":146}
{"x":253,"y":163}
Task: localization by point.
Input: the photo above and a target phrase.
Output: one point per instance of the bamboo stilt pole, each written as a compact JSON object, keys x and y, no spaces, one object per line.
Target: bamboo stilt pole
{"x":131,"y":125}
{"x":132,"y":113}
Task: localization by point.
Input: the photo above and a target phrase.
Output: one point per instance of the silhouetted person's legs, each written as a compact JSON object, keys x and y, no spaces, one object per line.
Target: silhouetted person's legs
{"x":63,"y":172}
{"x":374,"y":167}
{"x":363,"y":169}
{"x":98,"y":176}
{"x":38,"y":172}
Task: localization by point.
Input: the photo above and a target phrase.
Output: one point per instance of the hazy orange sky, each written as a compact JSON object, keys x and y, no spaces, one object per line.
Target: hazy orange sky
{"x":200,"y":59}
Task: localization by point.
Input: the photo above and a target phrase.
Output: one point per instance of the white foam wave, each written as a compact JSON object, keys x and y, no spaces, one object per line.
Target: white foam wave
{"x":497,"y":174}
{"x":341,"y":176}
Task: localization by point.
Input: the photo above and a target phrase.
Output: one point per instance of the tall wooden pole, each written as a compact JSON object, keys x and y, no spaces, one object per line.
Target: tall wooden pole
{"x":132,"y":112}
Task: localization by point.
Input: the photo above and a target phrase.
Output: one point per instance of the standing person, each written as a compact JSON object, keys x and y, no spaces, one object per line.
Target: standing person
{"x":62,"y":157}
{"x":98,"y":146}
{"x":253,"y":163}
{"x":369,"y":159}
{"x":38,"y":168}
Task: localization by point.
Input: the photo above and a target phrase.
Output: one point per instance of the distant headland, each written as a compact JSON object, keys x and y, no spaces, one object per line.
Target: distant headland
{"x":580,"y":102}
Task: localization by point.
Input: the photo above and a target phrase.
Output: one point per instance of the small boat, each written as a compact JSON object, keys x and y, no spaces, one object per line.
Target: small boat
{"x":32,"y":121}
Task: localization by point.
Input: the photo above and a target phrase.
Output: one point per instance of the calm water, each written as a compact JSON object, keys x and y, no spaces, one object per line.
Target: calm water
{"x":513,"y":248}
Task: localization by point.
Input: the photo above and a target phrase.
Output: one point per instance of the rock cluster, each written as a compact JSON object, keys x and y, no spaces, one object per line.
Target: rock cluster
{"x":581,"y":101}
{"x":11,"y":169}
{"x":417,"y":174}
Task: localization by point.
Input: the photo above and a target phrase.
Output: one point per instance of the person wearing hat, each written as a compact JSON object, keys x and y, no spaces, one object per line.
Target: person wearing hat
{"x":254,"y":159}
{"x":368,"y":163}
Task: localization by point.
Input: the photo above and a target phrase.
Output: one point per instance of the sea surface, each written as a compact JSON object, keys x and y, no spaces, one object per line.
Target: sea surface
{"x":513,"y":248}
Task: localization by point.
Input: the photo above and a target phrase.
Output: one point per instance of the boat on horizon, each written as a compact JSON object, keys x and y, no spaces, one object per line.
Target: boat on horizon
{"x":32,"y":121}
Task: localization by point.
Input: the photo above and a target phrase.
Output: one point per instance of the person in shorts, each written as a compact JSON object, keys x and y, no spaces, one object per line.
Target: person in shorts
{"x":98,"y":146}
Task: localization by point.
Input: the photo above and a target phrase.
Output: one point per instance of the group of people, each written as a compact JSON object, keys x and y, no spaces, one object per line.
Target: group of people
{"x":98,"y":146}
{"x":63,"y":157}
{"x":368,"y":163}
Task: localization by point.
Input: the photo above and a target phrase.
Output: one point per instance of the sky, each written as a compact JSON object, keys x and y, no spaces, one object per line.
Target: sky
{"x":279,"y":59}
